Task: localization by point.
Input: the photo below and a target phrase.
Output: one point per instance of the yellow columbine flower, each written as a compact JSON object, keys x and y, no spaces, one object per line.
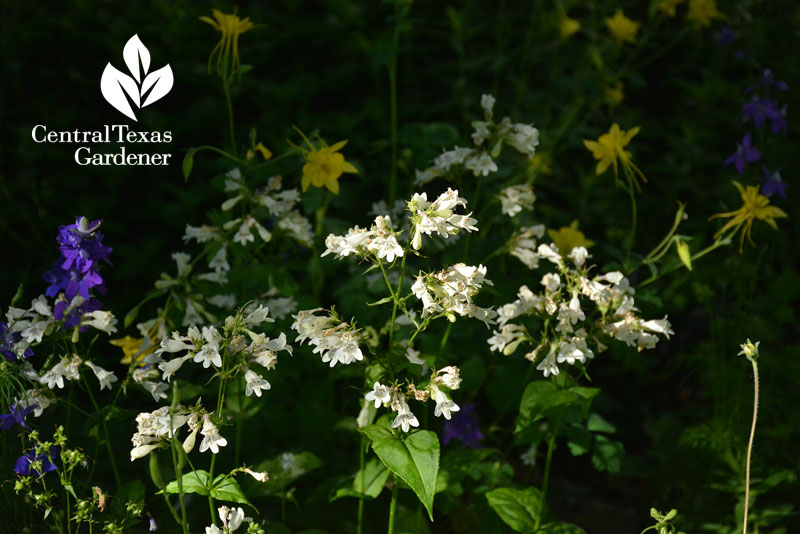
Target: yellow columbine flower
{"x":568,"y":237}
{"x":622,"y":28}
{"x":567,"y":26}
{"x":130,"y":347}
{"x":702,"y":12}
{"x":261,"y":149}
{"x":754,"y":206}
{"x":231,"y":27}
{"x":614,"y":95}
{"x":323,"y":165}
{"x":611,"y":146}
{"x":668,"y":6}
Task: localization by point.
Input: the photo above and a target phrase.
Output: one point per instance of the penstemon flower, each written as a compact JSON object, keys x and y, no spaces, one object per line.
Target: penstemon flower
{"x":212,"y":440}
{"x":438,"y":216}
{"x":516,"y":198}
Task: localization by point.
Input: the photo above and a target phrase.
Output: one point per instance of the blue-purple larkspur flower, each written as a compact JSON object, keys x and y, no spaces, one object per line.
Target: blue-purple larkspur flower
{"x":773,"y":183}
{"x":16,"y":416}
{"x":745,"y":153}
{"x":8,"y":342}
{"x":761,"y":110}
{"x":726,"y":36}
{"x":463,"y":427}
{"x":768,"y":80}
{"x":24,"y":468}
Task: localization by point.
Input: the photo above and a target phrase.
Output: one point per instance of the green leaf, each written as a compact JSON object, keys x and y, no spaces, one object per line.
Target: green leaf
{"x":560,"y":528}
{"x":286,"y":468}
{"x":382,"y":301}
{"x":17,"y":295}
{"x":414,"y":458}
{"x":684,"y":254}
{"x":579,"y":439}
{"x":541,"y":399}
{"x":517,"y":508}
{"x":194,"y":482}
{"x":455,"y":465}
{"x":607,"y":454}
{"x":227,"y":489}
{"x":155,"y":471}
{"x":597,"y":424}
{"x":374,"y":479}
{"x":188,"y":163}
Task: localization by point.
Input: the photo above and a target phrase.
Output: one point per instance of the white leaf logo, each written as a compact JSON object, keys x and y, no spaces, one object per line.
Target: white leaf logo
{"x":120,"y":90}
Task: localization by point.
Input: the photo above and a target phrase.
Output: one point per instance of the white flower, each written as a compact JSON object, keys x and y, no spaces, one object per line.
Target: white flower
{"x":524,"y":138}
{"x":659,"y":326}
{"x":380,"y":394}
{"x":40,"y":306}
{"x":281,"y":307}
{"x":579,"y":255}
{"x":550,"y":253}
{"x":258,"y":316}
{"x":405,"y":418}
{"x":101,"y":320}
{"x":33,"y":397}
{"x":209,"y":353}
{"x":551,"y":282}
{"x":201,"y":234}
{"x":384,"y":244}
{"x":448,"y":377}
{"x":171,"y":367}
{"x":226,"y":301}
{"x":548,"y":364}
{"x":255,"y":383}
{"x":516,"y":198}
{"x":232,"y":519}
{"x":481,"y":165}
{"x":260,"y":476}
{"x":444,"y":405}
{"x":487,"y":103}
{"x":220,"y":260}
{"x":104,"y":377}
{"x":191,"y":317}
{"x":211,"y":436}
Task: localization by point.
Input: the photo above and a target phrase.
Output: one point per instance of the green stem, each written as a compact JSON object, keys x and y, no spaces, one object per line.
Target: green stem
{"x":361,"y":463}
{"x":223,"y":153}
{"x":393,"y":505}
{"x":117,"y":479}
{"x":226,"y":88}
{"x":632,"y":235}
{"x":551,"y":445}
{"x":283,"y":505}
{"x":750,"y":446}
{"x":474,"y":208}
{"x":176,"y":465}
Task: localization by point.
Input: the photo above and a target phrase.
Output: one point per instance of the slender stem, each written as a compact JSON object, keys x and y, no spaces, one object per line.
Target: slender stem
{"x":226,"y":153}
{"x":361,"y":463}
{"x":551,"y":445}
{"x":283,"y":505}
{"x":117,"y":479}
{"x":397,"y":296}
{"x":226,"y":88}
{"x":632,"y":235}
{"x":750,"y":446}
{"x":393,"y":505}
{"x":393,"y":103}
{"x":175,"y":463}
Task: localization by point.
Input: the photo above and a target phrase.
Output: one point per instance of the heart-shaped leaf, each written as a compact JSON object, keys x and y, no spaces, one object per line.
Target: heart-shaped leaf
{"x":161,"y":82}
{"x":226,"y":488}
{"x":194,"y":482}
{"x":517,"y":508}
{"x":115,"y":85}
{"x":414,"y":458}
{"x":134,"y":53}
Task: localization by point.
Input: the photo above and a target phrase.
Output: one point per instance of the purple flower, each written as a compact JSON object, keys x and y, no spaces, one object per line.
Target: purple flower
{"x":464,"y":427}
{"x":762,"y":109}
{"x":768,"y":80}
{"x":23,"y":466}
{"x":773,"y":183}
{"x":745,"y":153}
{"x":7,"y":344}
{"x":16,"y":416}
{"x":726,"y":36}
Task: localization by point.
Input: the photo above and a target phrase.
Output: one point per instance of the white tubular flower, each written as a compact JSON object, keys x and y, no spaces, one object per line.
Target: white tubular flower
{"x":384,"y":244}
{"x":220,"y":260}
{"x":447,"y":159}
{"x":209,"y":353}
{"x":551,"y":282}
{"x":438,"y":216}
{"x":659,"y":326}
{"x":579,"y":255}
{"x":336,"y":344}
{"x":41,"y":306}
{"x":260,"y":476}
{"x":100,"y":320}
{"x":380,"y":394}
{"x":451,"y":291}
{"x":487,"y":103}
{"x":516,"y":198}
{"x":201,"y":234}
{"x":352,"y":243}
{"x":182,"y":260}
{"x":550,"y":253}
{"x":232,"y":519}
{"x":448,"y":377}
{"x":34,"y":397}
{"x":548,"y":365}
{"x":569,"y":315}
{"x":171,"y":367}
{"x":258,"y":316}
{"x":524,"y":138}
{"x":507,"y":339}
{"x":444,"y":405}
{"x":211,"y":437}
{"x":255,"y":383}
{"x":405,"y":419}
{"x":481,"y":165}
{"x":104,"y":377}
{"x":298,"y":227}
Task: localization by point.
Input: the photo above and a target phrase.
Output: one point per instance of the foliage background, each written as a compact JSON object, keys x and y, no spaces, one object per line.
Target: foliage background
{"x":681,"y":411}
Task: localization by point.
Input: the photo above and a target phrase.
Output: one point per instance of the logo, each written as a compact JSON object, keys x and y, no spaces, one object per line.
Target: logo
{"x":141,"y":88}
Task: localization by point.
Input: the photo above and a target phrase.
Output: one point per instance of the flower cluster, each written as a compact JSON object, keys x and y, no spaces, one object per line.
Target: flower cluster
{"x":516,"y":198}
{"x":68,"y":368}
{"x":560,"y":304}
{"x":449,"y":292}
{"x":438,"y":217}
{"x":380,"y":240}
{"x":336,"y":341}
{"x":75,"y":273}
{"x":489,"y":138}
{"x":232,"y":519}
{"x":25,"y":327}
{"x":438,"y":389}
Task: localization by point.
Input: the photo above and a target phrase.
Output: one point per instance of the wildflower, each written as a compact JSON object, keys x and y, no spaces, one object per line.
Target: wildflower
{"x":449,"y":292}
{"x":444,"y":404}
{"x":38,"y":464}
{"x":36,"y":399}
{"x":548,"y":364}
{"x":768,"y":80}
{"x":261,"y":149}
{"x":487,"y":103}
{"x":405,"y":419}
{"x":750,"y":350}
{"x":211,"y":436}
{"x":622,"y":28}
{"x":567,"y":238}
{"x":380,"y":394}
{"x":106,"y":378}
{"x":323,"y":165}
{"x":773,"y":183}
{"x":516,"y":198}
{"x":524,"y":246}
{"x":463,"y":427}
{"x":611,"y":146}
{"x":567,"y":27}
{"x":481,"y":165}
{"x":232,"y":519}
{"x":745,"y":153}
{"x":761,"y":110}
{"x":702,"y":12}
{"x":12,"y":346}
{"x":231,"y":27}
{"x":668,"y":6}
{"x":754,"y":206}
{"x":726,"y":36}
{"x":209,"y":353}
{"x":16,"y":416}
{"x":255,"y":383}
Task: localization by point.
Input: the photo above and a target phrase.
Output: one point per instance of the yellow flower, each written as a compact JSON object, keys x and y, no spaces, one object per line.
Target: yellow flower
{"x":323,"y":165}
{"x":541,"y":162}
{"x":231,"y":27}
{"x":568,"y":237}
{"x":702,"y":12}
{"x":615,"y":95}
{"x":754,"y":206}
{"x":622,"y":28}
{"x":130,"y":347}
{"x":261,"y":149}
{"x":611,"y":146}
{"x":668,"y":6}
{"x":567,"y":26}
